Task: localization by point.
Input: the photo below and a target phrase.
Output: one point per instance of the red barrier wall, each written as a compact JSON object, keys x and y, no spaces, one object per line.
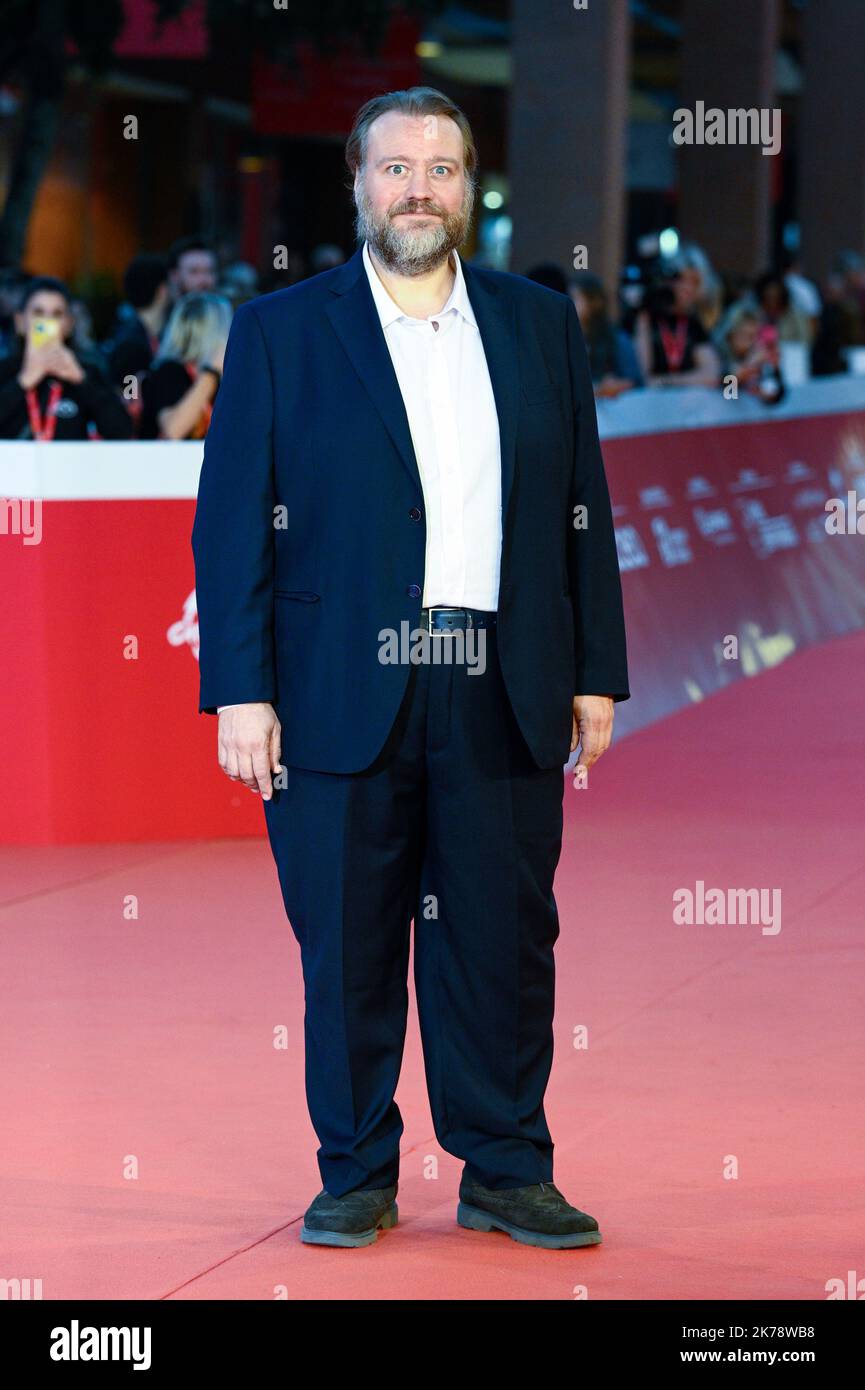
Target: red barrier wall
{"x":722,"y":532}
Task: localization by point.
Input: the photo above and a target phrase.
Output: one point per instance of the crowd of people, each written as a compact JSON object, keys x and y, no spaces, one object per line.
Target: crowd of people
{"x":156,"y":374}
{"x":681,"y":324}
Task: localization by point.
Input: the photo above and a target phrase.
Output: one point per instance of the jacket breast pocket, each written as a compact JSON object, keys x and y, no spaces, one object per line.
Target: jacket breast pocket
{"x":299,"y":595}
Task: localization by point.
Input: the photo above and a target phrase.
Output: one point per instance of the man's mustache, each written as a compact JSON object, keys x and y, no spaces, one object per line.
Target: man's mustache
{"x":399,"y":211}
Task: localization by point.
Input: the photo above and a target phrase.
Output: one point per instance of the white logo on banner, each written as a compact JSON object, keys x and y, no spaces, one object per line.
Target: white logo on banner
{"x":715,"y":524}
{"x":749,"y":478}
{"x":699,"y":487}
{"x":185,"y":631}
{"x":656,"y":496}
{"x":768,"y":533}
{"x":798,"y":472}
{"x":673,"y":544}
{"x":631,"y":551}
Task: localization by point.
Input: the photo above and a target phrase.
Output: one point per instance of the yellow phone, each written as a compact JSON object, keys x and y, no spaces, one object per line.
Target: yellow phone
{"x":44,"y":332}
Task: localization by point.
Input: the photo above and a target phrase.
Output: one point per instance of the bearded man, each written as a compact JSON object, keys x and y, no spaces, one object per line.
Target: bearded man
{"x":408,"y":443}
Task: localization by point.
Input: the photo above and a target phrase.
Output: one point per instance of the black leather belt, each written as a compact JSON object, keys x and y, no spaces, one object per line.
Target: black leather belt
{"x":439,"y":619}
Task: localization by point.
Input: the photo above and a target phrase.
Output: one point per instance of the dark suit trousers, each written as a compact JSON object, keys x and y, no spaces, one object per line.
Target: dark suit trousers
{"x":453,"y":826}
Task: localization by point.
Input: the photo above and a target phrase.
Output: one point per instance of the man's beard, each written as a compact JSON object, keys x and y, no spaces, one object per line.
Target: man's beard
{"x":408,"y":250}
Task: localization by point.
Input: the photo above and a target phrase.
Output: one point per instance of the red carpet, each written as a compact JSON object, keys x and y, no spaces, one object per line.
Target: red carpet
{"x":147,"y":1045}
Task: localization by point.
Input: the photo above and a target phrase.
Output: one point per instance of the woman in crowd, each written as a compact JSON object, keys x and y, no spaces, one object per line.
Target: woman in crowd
{"x":673,"y":347}
{"x":178,"y":392}
{"x":750,"y":353}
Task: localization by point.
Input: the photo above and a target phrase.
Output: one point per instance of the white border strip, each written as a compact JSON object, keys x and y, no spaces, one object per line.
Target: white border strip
{"x":103,"y":470}
{"x":100,"y":469}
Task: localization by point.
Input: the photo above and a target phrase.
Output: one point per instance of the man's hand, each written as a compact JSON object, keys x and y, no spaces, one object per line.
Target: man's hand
{"x":49,"y":359}
{"x":65,"y":364}
{"x":35,"y":365}
{"x":592,"y":730}
{"x":250,"y":746}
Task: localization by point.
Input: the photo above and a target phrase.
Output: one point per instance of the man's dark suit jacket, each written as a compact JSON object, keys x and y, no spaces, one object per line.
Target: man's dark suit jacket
{"x":310,"y":529}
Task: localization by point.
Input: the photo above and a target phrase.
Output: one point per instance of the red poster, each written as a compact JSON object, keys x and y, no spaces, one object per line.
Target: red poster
{"x":183,"y":37}
{"x":321,"y":95}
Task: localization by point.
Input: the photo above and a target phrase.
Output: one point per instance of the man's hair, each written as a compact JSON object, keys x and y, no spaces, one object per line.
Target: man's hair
{"x":413,"y":101}
{"x":187,"y":243}
{"x":44,"y":282}
{"x":142,"y":279}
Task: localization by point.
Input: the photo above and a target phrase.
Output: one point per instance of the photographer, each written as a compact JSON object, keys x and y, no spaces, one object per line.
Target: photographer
{"x":46,"y":391}
{"x":673,"y":347}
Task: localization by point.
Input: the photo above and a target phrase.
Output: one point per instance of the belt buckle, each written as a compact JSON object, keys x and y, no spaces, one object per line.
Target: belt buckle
{"x":444,"y":608}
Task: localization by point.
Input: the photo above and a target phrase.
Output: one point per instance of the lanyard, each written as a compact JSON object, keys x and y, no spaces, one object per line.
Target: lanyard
{"x":675,"y":344}
{"x":43,"y":427}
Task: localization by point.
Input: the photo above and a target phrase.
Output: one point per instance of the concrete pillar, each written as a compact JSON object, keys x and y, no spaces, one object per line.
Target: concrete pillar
{"x":831,"y":181}
{"x":728,"y":62}
{"x":567,"y":132}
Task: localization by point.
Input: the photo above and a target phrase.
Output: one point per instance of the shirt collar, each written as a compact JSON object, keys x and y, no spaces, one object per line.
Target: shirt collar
{"x":389,"y":311}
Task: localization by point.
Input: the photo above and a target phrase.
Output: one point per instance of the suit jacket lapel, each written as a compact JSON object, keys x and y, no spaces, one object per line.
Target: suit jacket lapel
{"x":356,"y":322}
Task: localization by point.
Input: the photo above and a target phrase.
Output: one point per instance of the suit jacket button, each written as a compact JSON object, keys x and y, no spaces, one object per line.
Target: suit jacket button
{"x":415,"y":513}
{"x":413,"y":591}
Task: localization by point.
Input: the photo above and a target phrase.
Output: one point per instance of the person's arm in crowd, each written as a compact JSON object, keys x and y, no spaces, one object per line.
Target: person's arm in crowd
{"x":25,"y":373}
{"x":748,"y":371}
{"x":178,"y":421}
{"x":706,"y":372}
{"x":96,"y":397}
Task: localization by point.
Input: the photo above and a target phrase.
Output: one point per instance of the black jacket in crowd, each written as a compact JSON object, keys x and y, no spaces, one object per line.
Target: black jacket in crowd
{"x":92,"y":401}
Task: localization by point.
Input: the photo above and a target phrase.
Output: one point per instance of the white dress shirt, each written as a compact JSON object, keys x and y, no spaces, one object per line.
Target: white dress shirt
{"x":445,"y":384}
{"x":448,"y":397}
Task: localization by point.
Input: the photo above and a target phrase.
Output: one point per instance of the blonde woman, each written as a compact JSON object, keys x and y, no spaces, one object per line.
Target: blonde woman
{"x":179,"y":390}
